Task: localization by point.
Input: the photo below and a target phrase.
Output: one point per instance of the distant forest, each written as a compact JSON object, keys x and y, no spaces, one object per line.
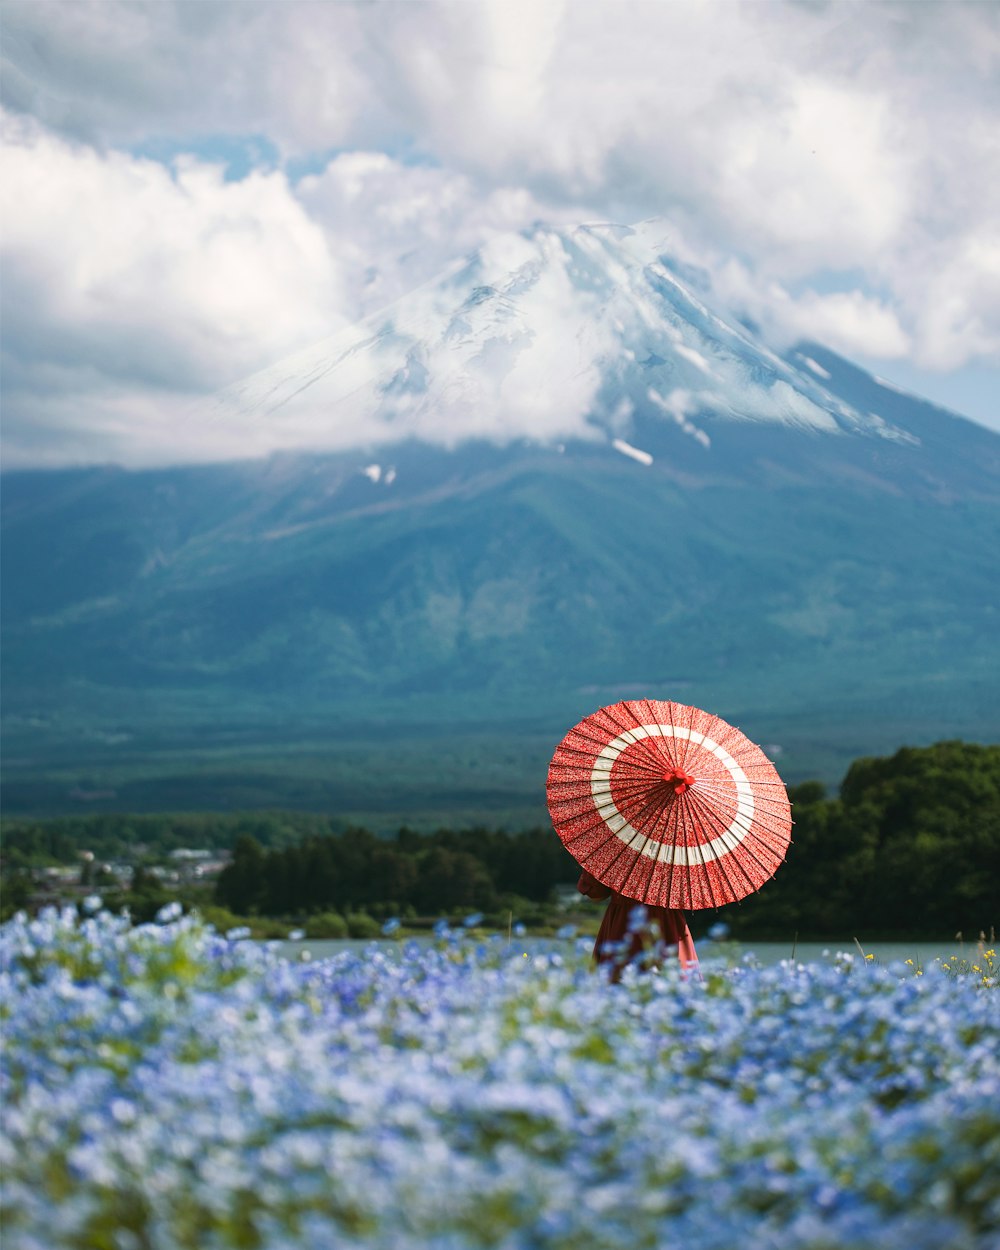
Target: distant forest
{"x":413,"y":874}
{"x":911,"y":845}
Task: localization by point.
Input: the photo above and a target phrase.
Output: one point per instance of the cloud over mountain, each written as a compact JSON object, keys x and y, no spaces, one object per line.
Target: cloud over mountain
{"x":831,"y":165}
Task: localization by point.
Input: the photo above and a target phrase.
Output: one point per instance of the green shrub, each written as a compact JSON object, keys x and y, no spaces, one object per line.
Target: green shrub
{"x":361,"y":925}
{"x":328,"y":924}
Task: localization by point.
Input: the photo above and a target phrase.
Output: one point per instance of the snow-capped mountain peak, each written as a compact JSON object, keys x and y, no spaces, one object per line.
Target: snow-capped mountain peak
{"x":547,"y":334}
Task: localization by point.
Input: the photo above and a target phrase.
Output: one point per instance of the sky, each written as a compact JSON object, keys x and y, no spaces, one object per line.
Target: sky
{"x":192,"y":191}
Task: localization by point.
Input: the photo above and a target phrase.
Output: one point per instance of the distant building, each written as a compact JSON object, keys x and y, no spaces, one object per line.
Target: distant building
{"x":198,"y":865}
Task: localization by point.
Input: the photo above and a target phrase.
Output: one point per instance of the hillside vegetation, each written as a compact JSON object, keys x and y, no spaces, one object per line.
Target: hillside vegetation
{"x":909,"y":846}
{"x":262,"y":634}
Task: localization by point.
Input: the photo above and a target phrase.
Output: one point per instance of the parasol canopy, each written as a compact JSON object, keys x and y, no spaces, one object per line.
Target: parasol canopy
{"x":668,"y":805}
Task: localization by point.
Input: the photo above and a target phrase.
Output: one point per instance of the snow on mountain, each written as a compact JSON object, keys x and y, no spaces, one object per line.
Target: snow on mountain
{"x":375,"y":474}
{"x":634,"y":453}
{"x":811,"y":364}
{"x":548,"y":334}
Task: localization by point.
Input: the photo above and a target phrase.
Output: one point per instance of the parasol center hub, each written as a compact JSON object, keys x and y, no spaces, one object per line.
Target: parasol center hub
{"x":678,"y":780}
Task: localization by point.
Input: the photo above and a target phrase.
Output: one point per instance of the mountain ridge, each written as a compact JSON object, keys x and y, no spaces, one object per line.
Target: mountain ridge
{"x":550,"y":333}
{"x":829,"y":584}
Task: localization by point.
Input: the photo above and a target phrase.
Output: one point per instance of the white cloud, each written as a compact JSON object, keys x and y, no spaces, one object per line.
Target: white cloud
{"x":957,"y":290}
{"x":507,"y":347}
{"x":130,"y":287}
{"x":394,"y":226}
{"x":126,"y":283}
{"x":847,"y":321}
{"x":784,"y":141}
{"x":173,"y":277}
{"x":815,"y":178}
{"x":116,"y":72}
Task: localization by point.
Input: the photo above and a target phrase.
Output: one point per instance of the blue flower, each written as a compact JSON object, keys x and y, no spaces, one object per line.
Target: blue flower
{"x":638,"y":918}
{"x":457,"y":1095}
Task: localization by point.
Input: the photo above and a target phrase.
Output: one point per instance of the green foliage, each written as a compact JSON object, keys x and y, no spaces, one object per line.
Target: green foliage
{"x":219,"y":918}
{"x":361,"y":925}
{"x":443,"y":872}
{"x":327,"y":924}
{"x":910,"y":846}
{"x":241,"y":886}
{"x":912,"y":843}
{"x":182,"y":656}
{"x":17,"y":888}
{"x":113,"y":835}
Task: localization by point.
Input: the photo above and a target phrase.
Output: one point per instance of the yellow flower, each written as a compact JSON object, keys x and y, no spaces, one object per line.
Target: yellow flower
{"x":910,"y":962}
{"x":869,"y":957}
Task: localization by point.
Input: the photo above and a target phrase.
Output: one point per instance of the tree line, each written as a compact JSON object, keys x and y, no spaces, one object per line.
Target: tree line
{"x":413,"y":873}
{"x":910,"y":845}
{"x":150,"y":837}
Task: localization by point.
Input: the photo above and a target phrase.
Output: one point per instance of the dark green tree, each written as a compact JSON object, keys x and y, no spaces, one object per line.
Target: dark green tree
{"x":242,"y":883}
{"x":451,"y":880}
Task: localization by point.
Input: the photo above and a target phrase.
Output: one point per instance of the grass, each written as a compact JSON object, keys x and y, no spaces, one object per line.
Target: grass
{"x":982,"y":963}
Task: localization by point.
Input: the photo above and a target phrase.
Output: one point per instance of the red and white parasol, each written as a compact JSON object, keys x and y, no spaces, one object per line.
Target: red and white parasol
{"x":669,"y":805}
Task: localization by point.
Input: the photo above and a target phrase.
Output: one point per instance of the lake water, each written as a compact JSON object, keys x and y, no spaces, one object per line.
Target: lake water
{"x":922,"y":953}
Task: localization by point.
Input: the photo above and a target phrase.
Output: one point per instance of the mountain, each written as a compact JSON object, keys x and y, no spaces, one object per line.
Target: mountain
{"x":549,"y":335}
{"x":553,"y":478}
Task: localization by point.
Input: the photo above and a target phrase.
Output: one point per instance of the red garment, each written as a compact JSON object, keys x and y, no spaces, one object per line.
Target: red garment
{"x":614,"y":927}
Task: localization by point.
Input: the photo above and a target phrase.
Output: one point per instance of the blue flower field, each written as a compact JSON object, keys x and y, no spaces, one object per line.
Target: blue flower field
{"x":168,"y":1087}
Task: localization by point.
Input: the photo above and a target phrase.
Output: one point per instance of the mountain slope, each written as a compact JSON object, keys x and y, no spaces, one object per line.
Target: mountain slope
{"x":827,"y":581}
{"x":549,"y":334}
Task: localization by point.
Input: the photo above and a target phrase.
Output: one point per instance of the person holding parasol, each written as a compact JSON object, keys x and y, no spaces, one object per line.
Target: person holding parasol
{"x":668,"y":807}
